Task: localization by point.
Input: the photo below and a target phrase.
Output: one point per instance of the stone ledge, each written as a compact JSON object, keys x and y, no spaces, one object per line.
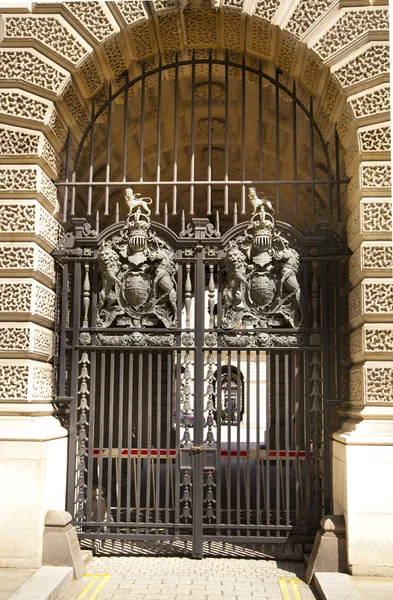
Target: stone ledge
{"x":331,"y":586}
{"x":45,"y":584}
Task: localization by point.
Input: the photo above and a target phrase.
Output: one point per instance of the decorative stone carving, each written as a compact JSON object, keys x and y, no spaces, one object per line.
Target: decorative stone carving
{"x":30,"y":66}
{"x":376,"y":175}
{"x":138,"y":285}
{"x":26,"y":142}
{"x":95,"y":17}
{"x":135,"y":339}
{"x":371,"y":103}
{"x":142,"y":41}
{"x":377,"y":216}
{"x":371,"y":341}
{"x":287,"y":52}
{"x":379,"y":383}
{"x":306,"y":13}
{"x":350,"y":27}
{"x":53,"y":31}
{"x":115,"y":57}
{"x":257,"y":37}
{"x":375,"y":139}
{"x":169,"y":27}
{"x":311,"y":73}
{"x":17,"y":217}
{"x":75,"y":108}
{"x":21,"y":104}
{"x":266,"y":9}
{"x":26,"y":296}
{"x":90,"y":75}
{"x":25,"y":256}
{"x":232,"y":25}
{"x":371,"y":259}
{"x":132,"y":12}
{"x":14,"y":381}
{"x":371,"y":299}
{"x":373,"y":61}
{"x":201,"y":28}
{"x":17,"y":338}
{"x":262,"y":287}
{"x":25,"y":181}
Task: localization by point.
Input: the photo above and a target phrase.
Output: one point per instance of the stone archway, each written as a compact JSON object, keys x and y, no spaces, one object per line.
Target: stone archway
{"x":54,"y":61}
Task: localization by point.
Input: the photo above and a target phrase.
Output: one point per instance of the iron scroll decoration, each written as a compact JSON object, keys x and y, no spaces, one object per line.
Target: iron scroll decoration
{"x":138,"y":274}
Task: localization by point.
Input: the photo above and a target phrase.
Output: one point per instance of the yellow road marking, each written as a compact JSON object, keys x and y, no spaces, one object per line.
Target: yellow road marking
{"x":94,"y":577}
{"x":284,"y":588}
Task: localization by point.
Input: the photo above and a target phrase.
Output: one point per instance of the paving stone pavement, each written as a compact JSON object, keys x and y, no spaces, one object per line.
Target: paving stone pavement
{"x":175,"y":578}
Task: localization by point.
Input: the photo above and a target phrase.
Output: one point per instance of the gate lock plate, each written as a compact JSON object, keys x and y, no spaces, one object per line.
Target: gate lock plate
{"x":186,"y":457}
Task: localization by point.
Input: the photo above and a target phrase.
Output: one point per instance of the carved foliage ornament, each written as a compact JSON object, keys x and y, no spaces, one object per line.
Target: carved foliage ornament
{"x":262,"y":287}
{"x":138,"y":286}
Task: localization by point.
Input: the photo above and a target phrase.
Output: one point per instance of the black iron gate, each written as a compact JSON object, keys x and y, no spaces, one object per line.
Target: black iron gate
{"x":195,"y":370}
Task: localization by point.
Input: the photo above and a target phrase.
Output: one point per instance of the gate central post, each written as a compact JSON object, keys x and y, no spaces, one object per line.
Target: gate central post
{"x":200,"y":228}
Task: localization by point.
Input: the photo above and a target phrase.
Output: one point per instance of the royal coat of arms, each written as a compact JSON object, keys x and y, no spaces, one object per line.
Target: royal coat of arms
{"x":138,"y":273}
{"x":262,"y":287}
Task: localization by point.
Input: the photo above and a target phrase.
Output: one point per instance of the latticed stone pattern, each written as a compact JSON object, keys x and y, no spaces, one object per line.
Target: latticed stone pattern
{"x":18,"y":142}
{"x":91,"y":76}
{"x":52,"y":31}
{"x":19,"y":104}
{"x":14,"y":382}
{"x":94,"y":18}
{"x":364,"y":105}
{"x":369,"y":176}
{"x":26,"y":257}
{"x":377,"y":216}
{"x":377,"y":139}
{"x":75,"y":108}
{"x":379,"y":383}
{"x":266,"y":9}
{"x":26,"y":220}
{"x":372,"y":62}
{"x":19,"y":296}
{"x":33,"y":68}
{"x":306,"y":14}
{"x":351,"y":26}
{"x":27,"y":180}
{"x":115,"y":57}
{"x":23,"y":338}
{"x":371,"y":257}
{"x":132,"y":12}
{"x":25,"y":381}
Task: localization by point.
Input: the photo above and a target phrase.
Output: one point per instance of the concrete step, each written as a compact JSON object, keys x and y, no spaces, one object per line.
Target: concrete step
{"x":335,"y":586}
{"x":45,"y":584}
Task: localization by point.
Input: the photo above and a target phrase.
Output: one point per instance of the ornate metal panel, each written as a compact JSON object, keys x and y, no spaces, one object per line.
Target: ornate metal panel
{"x":196,"y":360}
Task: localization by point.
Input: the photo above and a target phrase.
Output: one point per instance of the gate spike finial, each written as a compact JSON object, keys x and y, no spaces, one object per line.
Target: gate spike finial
{"x":166,"y":214}
{"x":235,"y":214}
{"x":217,"y":221}
{"x":98,"y":222}
{"x":117,"y":213}
{"x":183,"y":220}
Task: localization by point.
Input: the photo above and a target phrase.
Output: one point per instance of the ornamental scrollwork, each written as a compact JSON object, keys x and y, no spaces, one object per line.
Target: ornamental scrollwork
{"x":135,"y":339}
{"x":138,"y":285}
{"x":262,"y":287}
{"x":262,"y":340}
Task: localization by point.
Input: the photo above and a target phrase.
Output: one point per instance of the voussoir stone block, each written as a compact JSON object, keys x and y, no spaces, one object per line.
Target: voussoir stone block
{"x":370,"y":179}
{"x":370,"y":220}
{"x":28,"y":181}
{"x":26,"y":340}
{"x":27,"y":220}
{"x":371,"y":259}
{"x":371,"y":383}
{"x":372,"y":301}
{"x":24,"y":380}
{"x":28,"y":144}
{"x":25,"y":299}
{"x":370,"y":106}
{"x":26,"y":258}
{"x":371,"y":342}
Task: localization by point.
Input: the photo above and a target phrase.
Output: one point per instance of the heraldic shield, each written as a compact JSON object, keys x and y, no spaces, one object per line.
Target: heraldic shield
{"x":138,"y":273}
{"x":262,"y":288}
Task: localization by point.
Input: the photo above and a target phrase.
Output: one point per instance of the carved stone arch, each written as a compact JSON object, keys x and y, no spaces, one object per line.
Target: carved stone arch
{"x":57,"y":58}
